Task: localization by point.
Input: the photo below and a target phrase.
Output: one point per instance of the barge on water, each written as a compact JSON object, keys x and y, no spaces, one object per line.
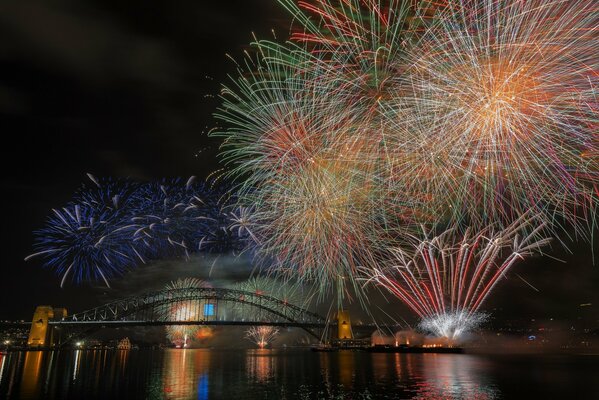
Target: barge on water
{"x":392,"y":349}
{"x":414,"y":349}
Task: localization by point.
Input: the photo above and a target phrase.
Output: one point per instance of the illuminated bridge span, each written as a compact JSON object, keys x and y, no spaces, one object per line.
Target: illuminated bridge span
{"x":185,"y":306}
{"x":197,"y":306}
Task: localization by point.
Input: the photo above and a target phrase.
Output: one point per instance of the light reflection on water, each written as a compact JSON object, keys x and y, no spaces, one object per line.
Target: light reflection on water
{"x":183,"y":373}
{"x":272,"y":374}
{"x":31,"y":374}
{"x":260,"y":365}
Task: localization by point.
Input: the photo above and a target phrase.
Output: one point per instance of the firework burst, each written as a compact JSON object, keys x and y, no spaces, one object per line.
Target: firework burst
{"x":171,"y":217}
{"x":380,"y":116}
{"x":86,"y":243}
{"x":446,"y":278}
{"x":499,"y":114}
{"x":262,"y":336}
{"x":308,"y":174}
{"x":184,"y":310}
{"x":112,"y":225}
{"x":107,"y":194}
{"x":289,"y":293}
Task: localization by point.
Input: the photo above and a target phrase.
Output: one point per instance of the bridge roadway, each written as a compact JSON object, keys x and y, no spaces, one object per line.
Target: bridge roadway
{"x":118,"y":324}
{"x":193,"y":306}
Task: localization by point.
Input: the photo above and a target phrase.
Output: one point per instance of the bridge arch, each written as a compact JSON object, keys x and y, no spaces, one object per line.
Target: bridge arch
{"x":202,"y":306}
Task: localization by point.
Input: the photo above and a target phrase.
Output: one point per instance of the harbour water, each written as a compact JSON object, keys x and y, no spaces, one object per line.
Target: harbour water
{"x":293,"y":374}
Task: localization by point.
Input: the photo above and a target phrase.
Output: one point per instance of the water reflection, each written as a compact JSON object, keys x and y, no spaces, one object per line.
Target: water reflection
{"x":30,"y":381}
{"x":185,"y":374}
{"x":258,"y":374}
{"x":2,"y":363}
{"x":345,"y":364}
{"x":260,"y":365}
{"x":123,"y":356}
{"x":456,"y":377}
{"x":12,"y":363}
{"x":203,"y":390}
{"x":435,"y":376}
{"x":76,"y":363}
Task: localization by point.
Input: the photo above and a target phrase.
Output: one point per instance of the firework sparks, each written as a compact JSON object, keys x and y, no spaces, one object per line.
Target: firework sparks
{"x":86,"y":243}
{"x":310,"y":188}
{"x":262,"y":336}
{"x":172,"y":216}
{"x":113,"y":225}
{"x":499,"y":114}
{"x":446,"y":278}
{"x":381,"y":116}
{"x":452,"y":325}
{"x":289,"y":293}
{"x":184,"y":310}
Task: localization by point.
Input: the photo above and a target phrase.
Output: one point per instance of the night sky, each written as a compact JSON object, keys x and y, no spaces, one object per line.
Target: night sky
{"x":127,"y":89}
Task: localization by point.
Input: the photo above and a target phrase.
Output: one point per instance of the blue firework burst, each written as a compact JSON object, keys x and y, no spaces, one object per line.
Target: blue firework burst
{"x":85,"y":244}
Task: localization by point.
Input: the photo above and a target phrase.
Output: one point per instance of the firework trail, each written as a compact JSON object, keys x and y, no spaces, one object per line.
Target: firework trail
{"x":499,"y":112}
{"x":446,"y":278}
{"x":113,"y":195}
{"x":380,"y":116}
{"x":262,"y":336}
{"x":290,"y":293}
{"x":308,"y":176}
{"x":112,"y":225}
{"x":81,"y":242}
{"x":171,"y":217}
{"x":184,"y":310}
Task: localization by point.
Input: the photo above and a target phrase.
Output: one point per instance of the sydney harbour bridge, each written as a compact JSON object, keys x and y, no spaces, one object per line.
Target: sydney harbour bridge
{"x":186,"y":306}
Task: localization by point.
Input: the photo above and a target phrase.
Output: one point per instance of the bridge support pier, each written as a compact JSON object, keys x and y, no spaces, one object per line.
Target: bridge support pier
{"x":344,"y":331}
{"x":41,"y":334}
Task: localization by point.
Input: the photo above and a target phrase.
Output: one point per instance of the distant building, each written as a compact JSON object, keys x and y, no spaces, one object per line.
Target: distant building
{"x":124,"y":344}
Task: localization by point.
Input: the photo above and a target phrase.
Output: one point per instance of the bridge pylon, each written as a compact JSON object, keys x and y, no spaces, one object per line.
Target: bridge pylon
{"x":344,"y":330}
{"x":42,"y":334}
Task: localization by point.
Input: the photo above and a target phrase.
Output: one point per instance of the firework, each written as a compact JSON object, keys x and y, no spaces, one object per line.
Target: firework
{"x":357,"y":49}
{"x":89,"y":238}
{"x":289,"y":293}
{"x":187,"y":283}
{"x":310,"y":185}
{"x":171,"y":217}
{"x":452,"y":325}
{"x":241,"y":223}
{"x":175,"y":217}
{"x":262,"y":336}
{"x":109,"y":194}
{"x":203,"y":333}
{"x":446,"y":278}
{"x":286,"y":291}
{"x":184,"y":310}
{"x":112,"y":225}
{"x":381,"y":116}
{"x":86,"y":243}
{"x":220,"y":236}
{"x":499,"y":112}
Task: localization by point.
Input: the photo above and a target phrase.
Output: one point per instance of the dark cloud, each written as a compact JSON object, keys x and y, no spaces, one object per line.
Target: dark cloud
{"x":88,"y":45}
